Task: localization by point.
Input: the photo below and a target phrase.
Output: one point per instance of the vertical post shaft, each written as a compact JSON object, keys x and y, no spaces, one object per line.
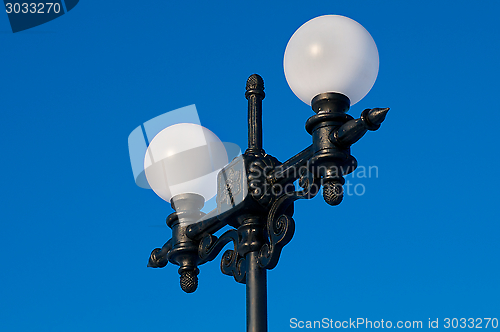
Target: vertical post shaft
{"x":256,"y":277}
{"x":256,"y":284}
{"x":255,"y":94}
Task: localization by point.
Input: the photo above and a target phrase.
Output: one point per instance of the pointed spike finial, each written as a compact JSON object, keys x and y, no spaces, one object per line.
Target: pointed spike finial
{"x":377,"y":115}
{"x":373,"y":118}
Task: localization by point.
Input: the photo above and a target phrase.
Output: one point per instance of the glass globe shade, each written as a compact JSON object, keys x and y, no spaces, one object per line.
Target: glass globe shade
{"x":331,"y":53}
{"x":184,"y":158}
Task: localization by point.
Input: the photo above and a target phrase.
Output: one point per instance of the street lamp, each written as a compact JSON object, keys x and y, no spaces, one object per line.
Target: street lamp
{"x":331,"y":62}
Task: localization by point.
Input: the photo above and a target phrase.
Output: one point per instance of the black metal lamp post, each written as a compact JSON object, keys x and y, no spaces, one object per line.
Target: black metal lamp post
{"x":256,"y":192}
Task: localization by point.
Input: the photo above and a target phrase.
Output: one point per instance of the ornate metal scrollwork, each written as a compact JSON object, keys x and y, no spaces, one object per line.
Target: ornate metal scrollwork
{"x":258,"y":170}
{"x":159,"y":256}
{"x":232,"y":263}
{"x":280,"y":224}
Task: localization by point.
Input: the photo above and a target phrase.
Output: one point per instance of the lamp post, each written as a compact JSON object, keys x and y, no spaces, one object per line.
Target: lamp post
{"x":331,"y":62}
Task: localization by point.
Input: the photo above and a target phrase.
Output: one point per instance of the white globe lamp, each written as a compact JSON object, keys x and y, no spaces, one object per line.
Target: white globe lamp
{"x":184,"y":159}
{"x":331,"y":54}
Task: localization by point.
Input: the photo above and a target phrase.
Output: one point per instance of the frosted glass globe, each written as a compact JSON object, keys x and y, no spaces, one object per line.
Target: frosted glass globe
{"x":184,"y":158}
{"x":331,"y":53}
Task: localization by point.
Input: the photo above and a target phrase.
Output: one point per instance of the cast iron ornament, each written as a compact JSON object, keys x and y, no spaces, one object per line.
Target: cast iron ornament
{"x":252,"y":202}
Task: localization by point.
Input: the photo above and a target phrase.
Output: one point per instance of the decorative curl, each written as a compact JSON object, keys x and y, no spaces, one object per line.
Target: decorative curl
{"x":234,"y":265}
{"x":280,"y":224}
{"x":280,"y":232}
{"x":159,"y":257}
{"x":231,"y":263}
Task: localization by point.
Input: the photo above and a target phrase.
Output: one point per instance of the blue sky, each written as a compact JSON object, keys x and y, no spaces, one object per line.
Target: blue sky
{"x":422,"y":242}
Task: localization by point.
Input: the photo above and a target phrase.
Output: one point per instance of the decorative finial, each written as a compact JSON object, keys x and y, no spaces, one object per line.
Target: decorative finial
{"x":374,"y":117}
{"x":333,"y":193}
{"x":255,"y":82}
{"x":189,"y":280}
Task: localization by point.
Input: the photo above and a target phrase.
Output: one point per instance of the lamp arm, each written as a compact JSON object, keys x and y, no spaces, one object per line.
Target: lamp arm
{"x":289,"y":170}
{"x":209,"y":224}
